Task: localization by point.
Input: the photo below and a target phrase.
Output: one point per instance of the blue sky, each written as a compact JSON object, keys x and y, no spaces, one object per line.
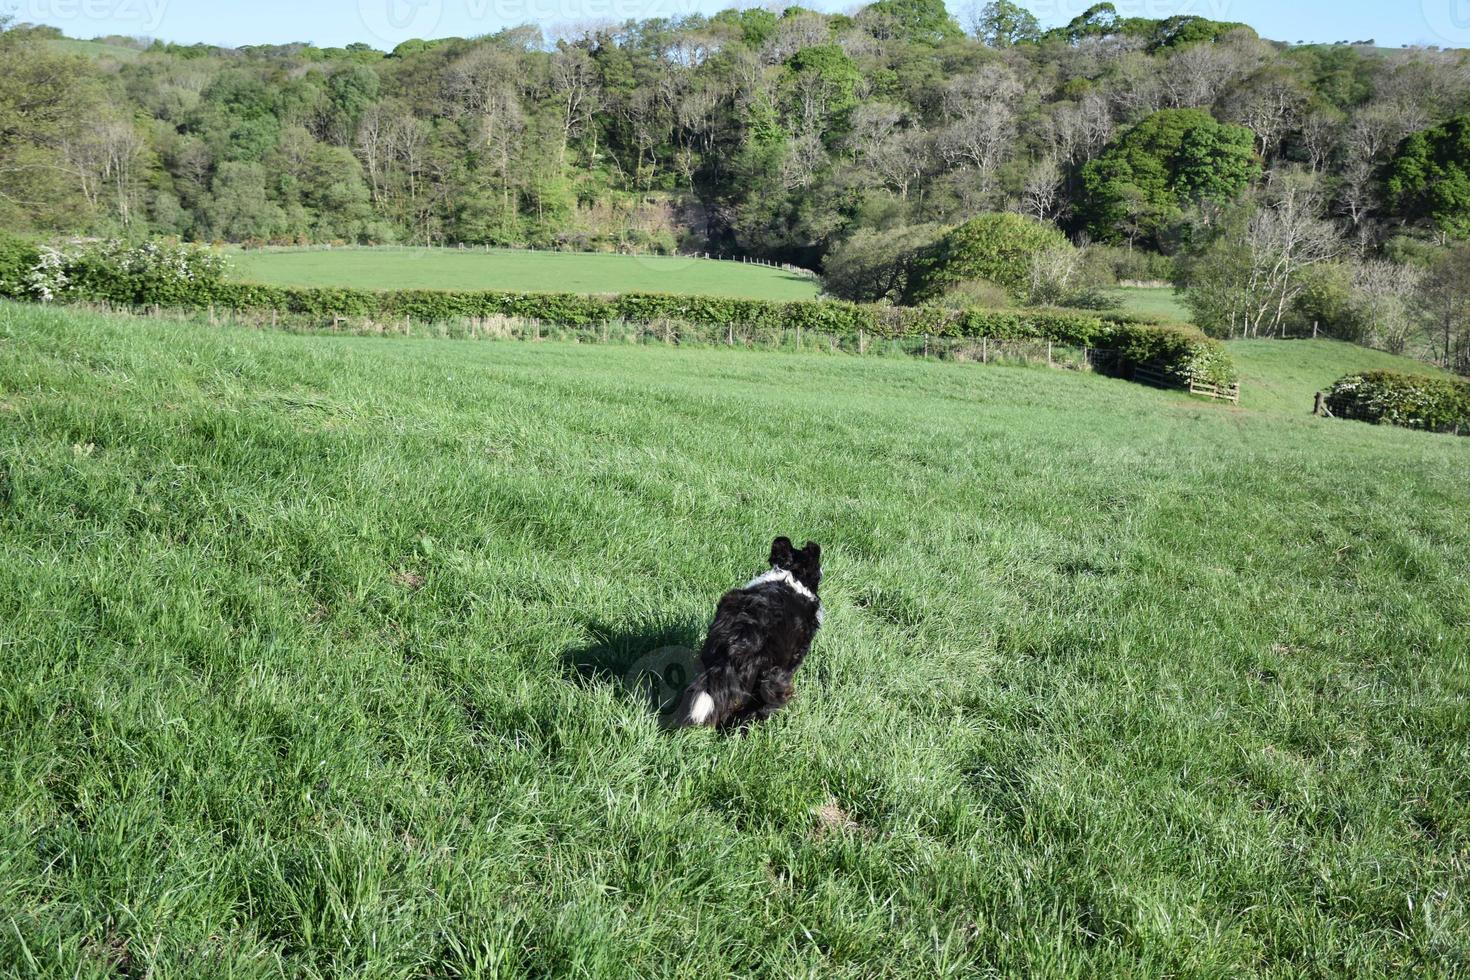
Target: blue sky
{"x":383,"y":23}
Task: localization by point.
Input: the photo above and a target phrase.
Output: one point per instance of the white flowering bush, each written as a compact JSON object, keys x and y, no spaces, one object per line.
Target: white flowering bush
{"x":47,"y":279}
{"x":1413,"y":401}
{"x":150,"y":274}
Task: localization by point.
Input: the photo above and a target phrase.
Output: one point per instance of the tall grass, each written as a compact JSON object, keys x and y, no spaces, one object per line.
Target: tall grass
{"x":311,"y":659}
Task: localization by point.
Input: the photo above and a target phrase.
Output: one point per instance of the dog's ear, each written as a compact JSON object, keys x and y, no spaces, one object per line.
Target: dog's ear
{"x":813,"y":551}
{"x":781,"y":553}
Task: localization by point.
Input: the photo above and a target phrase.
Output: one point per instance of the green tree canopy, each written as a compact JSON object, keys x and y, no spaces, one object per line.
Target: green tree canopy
{"x":46,"y":100}
{"x":1002,"y":23}
{"x":1428,"y":179}
{"x":925,"y":21}
{"x":1147,"y":176}
{"x":1000,"y":248}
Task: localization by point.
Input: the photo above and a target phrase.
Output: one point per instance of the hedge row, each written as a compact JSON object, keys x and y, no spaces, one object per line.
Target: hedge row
{"x":1183,"y":350}
{"x":1414,"y":401}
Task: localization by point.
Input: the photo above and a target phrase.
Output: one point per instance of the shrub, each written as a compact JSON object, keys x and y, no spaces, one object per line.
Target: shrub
{"x":1414,"y":401}
{"x":876,"y":265}
{"x":1109,"y":265}
{"x":1002,"y":248}
{"x":1178,"y":349}
{"x":1326,"y":304}
{"x":17,"y":258}
{"x":972,"y":293}
{"x":151,"y":274}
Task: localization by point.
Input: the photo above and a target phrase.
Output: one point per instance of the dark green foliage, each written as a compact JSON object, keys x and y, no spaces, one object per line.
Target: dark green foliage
{"x":1415,"y":401}
{"x":1152,"y":171}
{"x":1102,"y":20}
{"x":770,"y":133}
{"x":1003,"y":24}
{"x":824,"y":74}
{"x":1429,"y":178}
{"x":1110,"y":264}
{"x":872,"y":266}
{"x":17,"y":258}
{"x":1326,"y":306}
{"x":1178,"y":349}
{"x":1000,"y":248}
{"x":924,"y":21}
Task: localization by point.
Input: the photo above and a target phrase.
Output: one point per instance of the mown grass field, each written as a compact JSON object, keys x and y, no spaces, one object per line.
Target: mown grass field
{"x":570,"y":272}
{"x":310,"y":646}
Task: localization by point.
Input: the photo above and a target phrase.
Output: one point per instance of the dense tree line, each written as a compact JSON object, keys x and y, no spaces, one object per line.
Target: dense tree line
{"x":812,"y":138}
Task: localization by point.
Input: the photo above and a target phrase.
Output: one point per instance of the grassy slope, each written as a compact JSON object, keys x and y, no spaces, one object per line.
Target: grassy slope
{"x":1113,"y":681}
{"x":1153,"y":302}
{"x":1284,"y":375}
{"x":531,"y":271}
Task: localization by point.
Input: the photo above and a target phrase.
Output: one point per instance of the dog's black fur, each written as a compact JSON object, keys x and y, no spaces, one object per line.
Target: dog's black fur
{"x":759,"y":638}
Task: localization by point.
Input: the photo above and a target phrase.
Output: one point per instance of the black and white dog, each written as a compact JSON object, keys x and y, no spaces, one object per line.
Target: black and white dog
{"x":759,"y":638}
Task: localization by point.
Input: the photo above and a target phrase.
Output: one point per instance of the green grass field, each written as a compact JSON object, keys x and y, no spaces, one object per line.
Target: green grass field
{"x":420,"y":268}
{"x":1152,"y":301}
{"x":310,"y":652}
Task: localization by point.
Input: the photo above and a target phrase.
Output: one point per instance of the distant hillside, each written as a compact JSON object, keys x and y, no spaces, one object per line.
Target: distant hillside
{"x":94,"y":49}
{"x":750,"y":132}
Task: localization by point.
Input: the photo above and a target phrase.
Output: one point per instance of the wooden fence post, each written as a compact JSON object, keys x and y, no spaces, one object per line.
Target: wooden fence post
{"x":1048,"y":354}
{"x":984,"y":350}
{"x":1320,"y":408}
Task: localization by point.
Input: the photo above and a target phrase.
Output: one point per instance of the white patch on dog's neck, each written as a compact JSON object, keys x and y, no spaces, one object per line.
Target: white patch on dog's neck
{"x":703,"y":710}
{"x":782,"y":576}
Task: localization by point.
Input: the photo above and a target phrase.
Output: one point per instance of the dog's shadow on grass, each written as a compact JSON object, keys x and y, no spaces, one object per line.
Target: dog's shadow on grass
{"x":651,"y":663}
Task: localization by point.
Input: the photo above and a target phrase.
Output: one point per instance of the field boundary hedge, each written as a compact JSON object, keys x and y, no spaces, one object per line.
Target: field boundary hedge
{"x":1411,"y":401}
{"x":1180,"y":349}
{"x":163,"y":275}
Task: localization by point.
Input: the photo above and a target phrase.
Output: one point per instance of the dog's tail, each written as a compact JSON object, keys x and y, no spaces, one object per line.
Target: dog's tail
{"x":705,"y":703}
